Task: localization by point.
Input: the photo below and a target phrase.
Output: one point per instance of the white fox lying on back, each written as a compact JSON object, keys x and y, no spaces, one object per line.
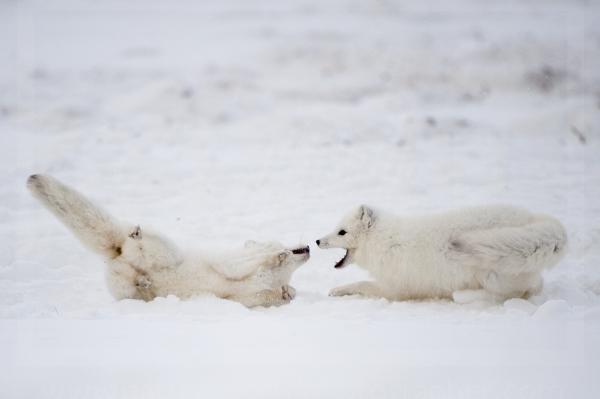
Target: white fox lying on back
{"x":494,"y":252}
{"x":143,"y":265}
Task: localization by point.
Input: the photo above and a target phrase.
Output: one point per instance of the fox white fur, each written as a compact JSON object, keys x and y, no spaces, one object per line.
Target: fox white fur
{"x":142,"y":264}
{"x":491,"y":253}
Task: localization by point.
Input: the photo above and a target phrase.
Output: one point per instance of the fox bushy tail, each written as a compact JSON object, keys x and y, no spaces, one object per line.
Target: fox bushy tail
{"x":95,"y":228}
{"x":514,"y":250}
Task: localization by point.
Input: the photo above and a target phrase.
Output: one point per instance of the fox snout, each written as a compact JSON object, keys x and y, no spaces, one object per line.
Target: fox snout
{"x":329,"y":242}
{"x":303,"y":250}
{"x":322,"y":243}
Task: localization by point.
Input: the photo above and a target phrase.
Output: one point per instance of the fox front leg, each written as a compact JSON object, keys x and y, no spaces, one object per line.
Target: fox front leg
{"x":266,"y":298}
{"x":288,"y":292}
{"x":364,"y":288}
{"x":143,"y":285}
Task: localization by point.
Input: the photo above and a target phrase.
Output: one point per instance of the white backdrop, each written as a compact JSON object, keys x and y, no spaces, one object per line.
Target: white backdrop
{"x":221,"y":121}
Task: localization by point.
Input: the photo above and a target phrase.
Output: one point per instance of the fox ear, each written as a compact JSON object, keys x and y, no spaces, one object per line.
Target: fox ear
{"x":282,"y":256}
{"x":365,"y":214}
{"x":249,"y":244}
{"x":136,"y":234}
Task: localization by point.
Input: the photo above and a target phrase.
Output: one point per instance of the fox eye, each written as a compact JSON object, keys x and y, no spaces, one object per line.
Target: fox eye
{"x":341,"y":232}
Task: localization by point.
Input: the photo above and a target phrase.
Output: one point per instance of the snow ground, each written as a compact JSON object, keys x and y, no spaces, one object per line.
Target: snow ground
{"x":220,"y":121}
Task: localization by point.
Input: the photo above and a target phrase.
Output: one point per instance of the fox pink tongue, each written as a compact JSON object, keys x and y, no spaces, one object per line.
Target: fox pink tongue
{"x":342,"y":262}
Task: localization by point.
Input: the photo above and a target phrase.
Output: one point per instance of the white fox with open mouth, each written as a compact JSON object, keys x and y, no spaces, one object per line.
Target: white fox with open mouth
{"x":492,"y":252}
{"x":143,"y":265}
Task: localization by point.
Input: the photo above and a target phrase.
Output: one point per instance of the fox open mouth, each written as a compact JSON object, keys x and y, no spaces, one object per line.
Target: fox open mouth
{"x":299,"y":251}
{"x":342,"y":262}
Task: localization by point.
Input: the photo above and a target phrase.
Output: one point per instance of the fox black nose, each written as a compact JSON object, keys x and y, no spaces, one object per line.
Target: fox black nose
{"x":318,"y":242}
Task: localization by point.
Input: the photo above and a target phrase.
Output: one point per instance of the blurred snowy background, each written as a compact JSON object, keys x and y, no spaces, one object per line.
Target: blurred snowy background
{"x":221,"y":121}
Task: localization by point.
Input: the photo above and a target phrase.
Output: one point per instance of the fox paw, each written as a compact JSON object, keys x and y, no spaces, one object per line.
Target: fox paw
{"x":288,"y":292}
{"x":143,"y":282}
{"x":341,"y":291}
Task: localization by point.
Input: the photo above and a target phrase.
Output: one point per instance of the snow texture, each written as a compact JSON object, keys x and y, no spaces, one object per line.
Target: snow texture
{"x":221,"y":121}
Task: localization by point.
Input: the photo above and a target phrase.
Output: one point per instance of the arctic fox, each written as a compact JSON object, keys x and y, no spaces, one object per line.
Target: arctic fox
{"x":490,"y":253}
{"x":143,"y":265}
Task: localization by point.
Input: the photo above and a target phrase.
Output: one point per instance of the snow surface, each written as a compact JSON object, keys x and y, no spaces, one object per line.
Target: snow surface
{"x":221,"y":121}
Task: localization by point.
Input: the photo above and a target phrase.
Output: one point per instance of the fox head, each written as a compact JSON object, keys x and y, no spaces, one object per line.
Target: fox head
{"x":280,"y":255}
{"x":349,"y":233}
